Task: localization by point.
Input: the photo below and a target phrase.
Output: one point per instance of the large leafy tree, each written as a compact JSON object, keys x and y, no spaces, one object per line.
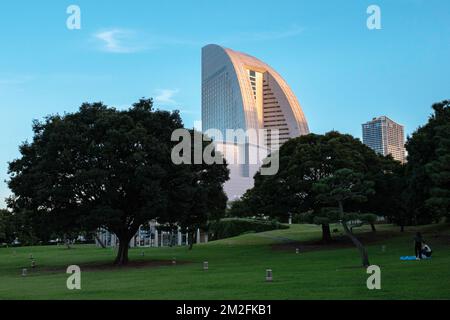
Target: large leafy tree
{"x":341,"y":187}
{"x":101,"y":167}
{"x":303,"y":162}
{"x":428,"y":170}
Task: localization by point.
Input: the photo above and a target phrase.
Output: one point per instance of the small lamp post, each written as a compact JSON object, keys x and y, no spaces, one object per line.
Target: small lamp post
{"x":269,"y":276}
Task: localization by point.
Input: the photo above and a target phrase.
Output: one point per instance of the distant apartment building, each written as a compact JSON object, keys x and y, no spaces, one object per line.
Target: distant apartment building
{"x":385,"y":137}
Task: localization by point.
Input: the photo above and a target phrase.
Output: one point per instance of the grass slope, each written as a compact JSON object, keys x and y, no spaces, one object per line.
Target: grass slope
{"x":237,"y":269}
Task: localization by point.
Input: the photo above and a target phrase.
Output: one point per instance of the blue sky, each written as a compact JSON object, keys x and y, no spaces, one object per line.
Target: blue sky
{"x":342,"y":73}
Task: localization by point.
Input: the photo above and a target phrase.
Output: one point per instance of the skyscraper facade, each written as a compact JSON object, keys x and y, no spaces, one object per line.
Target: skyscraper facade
{"x":385,"y":137}
{"x":240,"y":92}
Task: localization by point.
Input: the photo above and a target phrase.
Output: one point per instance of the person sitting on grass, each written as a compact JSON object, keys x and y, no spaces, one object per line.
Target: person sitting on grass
{"x":418,"y":240}
{"x":426,"y":251}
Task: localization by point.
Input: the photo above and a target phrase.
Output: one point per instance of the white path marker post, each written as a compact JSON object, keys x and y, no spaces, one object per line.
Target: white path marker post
{"x":205,"y":266}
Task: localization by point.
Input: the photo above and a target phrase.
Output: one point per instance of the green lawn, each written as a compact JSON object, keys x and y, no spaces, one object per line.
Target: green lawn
{"x":237,"y":270}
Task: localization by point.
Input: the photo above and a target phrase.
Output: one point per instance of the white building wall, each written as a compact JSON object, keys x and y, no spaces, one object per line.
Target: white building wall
{"x":154,"y":239}
{"x":232,"y":98}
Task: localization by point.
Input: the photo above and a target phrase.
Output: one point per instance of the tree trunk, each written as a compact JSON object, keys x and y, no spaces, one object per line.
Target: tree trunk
{"x":402,"y":228}
{"x":99,"y":240}
{"x":356,"y":242}
{"x":67,"y":242}
{"x":122,"y":253}
{"x":373,"y":227}
{"x":191,"y":240}
{"x":326,"y":233}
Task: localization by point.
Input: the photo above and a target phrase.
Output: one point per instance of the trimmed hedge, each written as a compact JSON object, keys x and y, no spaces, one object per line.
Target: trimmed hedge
{"x":232,"y":227}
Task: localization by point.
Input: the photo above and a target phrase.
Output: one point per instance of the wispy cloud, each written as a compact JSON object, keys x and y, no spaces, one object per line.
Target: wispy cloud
{"x":13,"y":83}
{"x":14,"y":80}
{"x":166,"y":96}
{"x":118,"y":40}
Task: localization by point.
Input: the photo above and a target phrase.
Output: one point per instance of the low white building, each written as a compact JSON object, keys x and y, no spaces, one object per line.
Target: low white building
{"x":151,"y":237}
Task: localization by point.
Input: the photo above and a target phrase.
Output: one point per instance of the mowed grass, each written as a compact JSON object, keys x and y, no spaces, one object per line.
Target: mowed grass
{"x":237,"y":269}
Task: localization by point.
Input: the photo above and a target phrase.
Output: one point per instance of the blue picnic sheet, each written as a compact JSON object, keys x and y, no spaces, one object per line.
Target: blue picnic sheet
{"x":410,"y":258}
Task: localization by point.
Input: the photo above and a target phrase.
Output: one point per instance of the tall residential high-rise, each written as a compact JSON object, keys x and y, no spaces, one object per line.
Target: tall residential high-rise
{"x":385,"y":137}
{"x":241,"y":92}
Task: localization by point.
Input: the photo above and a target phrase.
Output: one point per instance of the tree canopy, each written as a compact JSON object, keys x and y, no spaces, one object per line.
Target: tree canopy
{"x":103,"y":167}
{"x":305,"y":161}
{"x":428,"y":170}
{"x":6,"y":228}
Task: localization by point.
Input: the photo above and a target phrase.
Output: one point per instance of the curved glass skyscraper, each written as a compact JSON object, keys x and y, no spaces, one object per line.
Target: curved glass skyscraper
{"x":241,"y":92}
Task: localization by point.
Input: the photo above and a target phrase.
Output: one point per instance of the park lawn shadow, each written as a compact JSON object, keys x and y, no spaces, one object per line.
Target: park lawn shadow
{"x":338,"y":242}
{"x":109,"y":266}
{"x":341,"y":241}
